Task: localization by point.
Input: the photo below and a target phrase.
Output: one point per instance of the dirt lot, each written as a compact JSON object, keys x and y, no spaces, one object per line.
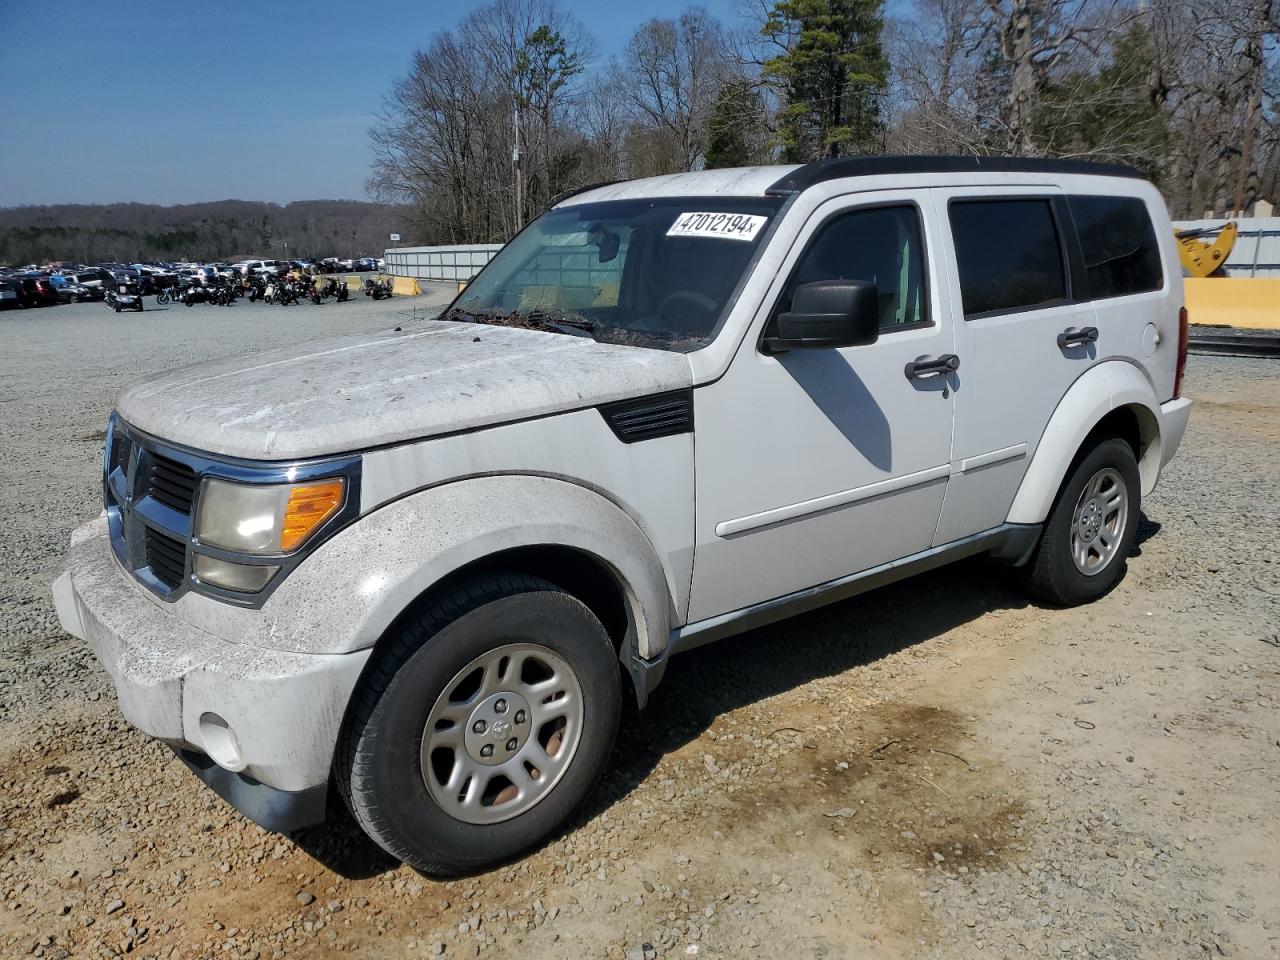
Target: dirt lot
{"x":935,"y":770}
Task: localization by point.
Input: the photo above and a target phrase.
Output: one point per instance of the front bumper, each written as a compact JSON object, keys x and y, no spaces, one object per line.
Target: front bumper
{"x":187,"y":687}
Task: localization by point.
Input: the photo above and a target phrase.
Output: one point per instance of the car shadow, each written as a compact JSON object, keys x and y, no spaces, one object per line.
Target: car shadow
{"x":1147,"y":528}
{"x":701,"y":686}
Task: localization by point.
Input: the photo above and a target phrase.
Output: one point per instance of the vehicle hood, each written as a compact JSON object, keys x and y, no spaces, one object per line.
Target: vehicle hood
{"x":352,"y":393}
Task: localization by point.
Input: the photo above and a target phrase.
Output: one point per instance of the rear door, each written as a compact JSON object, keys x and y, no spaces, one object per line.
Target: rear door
{"x":1023,"y":329}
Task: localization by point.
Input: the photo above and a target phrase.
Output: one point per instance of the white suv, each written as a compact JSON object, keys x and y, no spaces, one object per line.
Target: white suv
{"x":427,"y":565}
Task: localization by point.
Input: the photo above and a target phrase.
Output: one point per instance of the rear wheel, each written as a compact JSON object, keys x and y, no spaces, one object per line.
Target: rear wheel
{"x":1090,"y":529}
{"x":483,"y":725}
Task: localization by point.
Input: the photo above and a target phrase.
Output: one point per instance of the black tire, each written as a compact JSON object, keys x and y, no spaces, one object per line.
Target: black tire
{"x":377,"y":767}
{"x":1052,"y":575}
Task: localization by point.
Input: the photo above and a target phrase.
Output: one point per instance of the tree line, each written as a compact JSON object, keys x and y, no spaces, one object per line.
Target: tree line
{"x":222,"y":230}
{"x":497,"y":117}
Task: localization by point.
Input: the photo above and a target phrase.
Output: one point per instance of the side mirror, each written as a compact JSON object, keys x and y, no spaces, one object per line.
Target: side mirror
{"x":828,"y":313}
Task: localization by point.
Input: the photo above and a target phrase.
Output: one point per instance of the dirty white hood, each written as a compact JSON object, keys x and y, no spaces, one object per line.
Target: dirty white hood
{"x":352,"y":393}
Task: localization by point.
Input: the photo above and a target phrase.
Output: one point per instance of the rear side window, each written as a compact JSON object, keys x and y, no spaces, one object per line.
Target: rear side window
{"x":1119,"y":245}
{"x":1009,"y":255}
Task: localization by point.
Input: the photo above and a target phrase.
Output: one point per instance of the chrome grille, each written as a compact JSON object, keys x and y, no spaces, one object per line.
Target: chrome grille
{"x":149,"y":498}
{"x":172,"y":483}
{"x":166,"y":557}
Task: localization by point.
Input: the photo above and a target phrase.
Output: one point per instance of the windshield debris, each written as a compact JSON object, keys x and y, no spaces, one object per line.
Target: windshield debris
{"x":537,"y":318}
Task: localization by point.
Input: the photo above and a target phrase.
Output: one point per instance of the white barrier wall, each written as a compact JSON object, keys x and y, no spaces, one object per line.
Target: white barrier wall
{"x":439,"y":263}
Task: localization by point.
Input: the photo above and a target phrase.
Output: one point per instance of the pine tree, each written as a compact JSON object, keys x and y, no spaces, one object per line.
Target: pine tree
{"x":735,"y":132}
{"x":832,"y":76}
{"x":1111,"y":114}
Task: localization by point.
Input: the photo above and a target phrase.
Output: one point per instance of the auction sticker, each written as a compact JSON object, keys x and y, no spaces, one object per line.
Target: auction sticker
{"x":728,"y":226}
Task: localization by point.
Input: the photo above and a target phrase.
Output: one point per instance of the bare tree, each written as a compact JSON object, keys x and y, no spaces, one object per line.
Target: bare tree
{"x":455,"y":134}
{"x":669,"y":78}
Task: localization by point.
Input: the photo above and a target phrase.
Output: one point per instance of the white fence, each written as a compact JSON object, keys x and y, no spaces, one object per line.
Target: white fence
{"x":439,"y":263}
{"x":1257,"y":249}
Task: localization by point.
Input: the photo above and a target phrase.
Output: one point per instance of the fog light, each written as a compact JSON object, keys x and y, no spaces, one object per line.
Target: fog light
{"x":220,"y":742}
{"x":240,"y":577}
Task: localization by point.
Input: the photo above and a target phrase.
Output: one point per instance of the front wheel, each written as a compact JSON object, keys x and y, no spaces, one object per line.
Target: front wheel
{"x":1090,"y":529}
{"x":482,"y":726}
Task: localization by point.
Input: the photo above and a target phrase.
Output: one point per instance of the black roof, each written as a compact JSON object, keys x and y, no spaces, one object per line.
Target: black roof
{"x":841,"y":167}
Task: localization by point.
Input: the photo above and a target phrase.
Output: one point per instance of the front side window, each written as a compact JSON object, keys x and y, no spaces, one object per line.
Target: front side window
{"x":1008,"y":254}
{"x":1119,"y":245}
{"x":880,"y":245}
{"x":655,"y":272}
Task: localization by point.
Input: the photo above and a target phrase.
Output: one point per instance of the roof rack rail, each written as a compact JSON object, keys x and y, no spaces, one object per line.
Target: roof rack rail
{"x":838,"y":168}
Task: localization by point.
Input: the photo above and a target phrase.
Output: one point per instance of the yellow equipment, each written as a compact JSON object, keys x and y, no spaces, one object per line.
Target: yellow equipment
{"x":1200,"y":258}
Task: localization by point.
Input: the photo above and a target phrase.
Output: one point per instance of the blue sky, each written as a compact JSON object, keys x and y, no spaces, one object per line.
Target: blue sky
{"x":170,"y":102}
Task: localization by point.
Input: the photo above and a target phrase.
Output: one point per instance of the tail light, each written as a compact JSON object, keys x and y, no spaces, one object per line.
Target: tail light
{"x":1182,"y":353}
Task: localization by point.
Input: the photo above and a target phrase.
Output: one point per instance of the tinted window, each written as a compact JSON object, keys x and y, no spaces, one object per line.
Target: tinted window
{"x":1008,"y":254}
{"x":881,"y":246}
{"x":1119,"y":245}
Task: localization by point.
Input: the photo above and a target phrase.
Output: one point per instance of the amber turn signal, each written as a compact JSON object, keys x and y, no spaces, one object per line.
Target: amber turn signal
{"x":309,"y":506}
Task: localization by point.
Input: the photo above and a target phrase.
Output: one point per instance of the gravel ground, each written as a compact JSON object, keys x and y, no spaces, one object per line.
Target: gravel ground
{"x":938,"y":769}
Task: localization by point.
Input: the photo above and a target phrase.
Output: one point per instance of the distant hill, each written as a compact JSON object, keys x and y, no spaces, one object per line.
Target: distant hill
{"x":221,"y":230}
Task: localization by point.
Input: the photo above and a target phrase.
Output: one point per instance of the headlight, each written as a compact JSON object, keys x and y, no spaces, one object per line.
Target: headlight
{"x":265,"y":519}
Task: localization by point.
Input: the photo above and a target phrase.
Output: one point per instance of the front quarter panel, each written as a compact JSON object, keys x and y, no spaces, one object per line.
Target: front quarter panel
{"x":344,"y":596}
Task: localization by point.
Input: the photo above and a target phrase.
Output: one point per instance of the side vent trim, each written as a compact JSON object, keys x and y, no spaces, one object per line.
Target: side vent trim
{"x":647,"y":418}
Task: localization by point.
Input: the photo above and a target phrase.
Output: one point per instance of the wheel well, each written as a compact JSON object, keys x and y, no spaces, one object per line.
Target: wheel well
{"x":1136,"y":426}
{"x":575,"y":572}
{"x":1121,"y":422}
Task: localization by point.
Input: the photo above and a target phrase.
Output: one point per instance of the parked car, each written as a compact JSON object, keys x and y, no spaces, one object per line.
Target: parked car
{"x":92,"y":278}
{"x":35,"y":291}
{"x":68,"y":291}
{"x":9,"y":298}
{"x":427,"y":568}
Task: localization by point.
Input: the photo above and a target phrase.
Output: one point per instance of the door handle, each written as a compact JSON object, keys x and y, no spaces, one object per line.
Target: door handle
{"x":1071,"y":337}
{"x":932,"y":366}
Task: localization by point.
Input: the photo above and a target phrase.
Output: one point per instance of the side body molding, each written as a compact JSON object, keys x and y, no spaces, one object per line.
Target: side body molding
{"x":351,"y":589}
{"x":1101,"y":389}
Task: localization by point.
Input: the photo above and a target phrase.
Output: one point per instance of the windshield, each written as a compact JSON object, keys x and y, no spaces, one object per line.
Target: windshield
{"x":654,"y":272}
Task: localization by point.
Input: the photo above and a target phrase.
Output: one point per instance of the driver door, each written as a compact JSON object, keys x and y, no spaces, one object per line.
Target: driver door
{"x":819,"y":463}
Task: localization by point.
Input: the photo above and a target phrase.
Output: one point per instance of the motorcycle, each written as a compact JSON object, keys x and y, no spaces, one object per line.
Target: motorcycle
{"x":123,"y":297}
{"x":195,"y":294}
{"x":377,"y":289}
{"x":323,"y":291}
{"x":343,"y":291}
